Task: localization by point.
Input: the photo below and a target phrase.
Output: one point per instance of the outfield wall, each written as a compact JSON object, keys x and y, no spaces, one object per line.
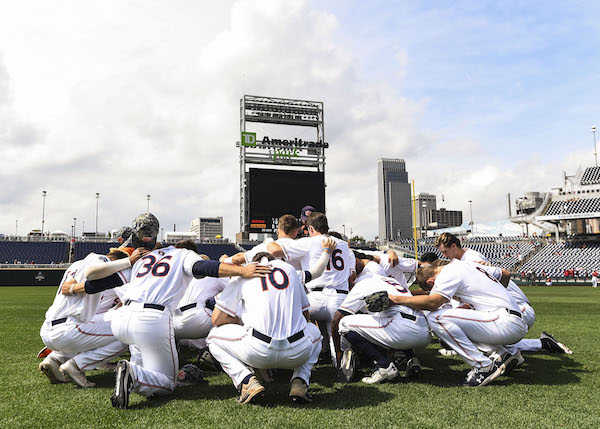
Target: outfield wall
{"x":31,"y":276}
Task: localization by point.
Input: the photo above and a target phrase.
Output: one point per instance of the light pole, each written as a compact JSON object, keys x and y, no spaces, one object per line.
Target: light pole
{"x":148,"y":204}
{"x":74,"y":227}
{"x":423,"y":226}
{"x":344,"y":227}
{"x":472,"y":225}
{"x":595,"y":153}
{"x":97,"y":202}
{"x":17,"y":227}
{"x":43,"y":210}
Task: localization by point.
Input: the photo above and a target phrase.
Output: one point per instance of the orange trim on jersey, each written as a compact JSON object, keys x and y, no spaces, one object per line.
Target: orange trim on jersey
{"x":371,"y":327}
{"x":225,"y":309}
{"x":155,"y":387}
{"x":226,"y":339}
{"x":94,"y":335}
{"x":318,"y":339}
{"x":437,"y":318}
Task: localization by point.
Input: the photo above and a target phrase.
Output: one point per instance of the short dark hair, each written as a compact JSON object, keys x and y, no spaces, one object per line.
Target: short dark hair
{"x":428,"y":257}
{"x":287,"y":223}
{"x":447,"y":239}
{"x":319,"y":222}
{"x":425,"y":273}
{"x":261,"y":255}
{"x":187,"y":244}
{"x":335,"y":234}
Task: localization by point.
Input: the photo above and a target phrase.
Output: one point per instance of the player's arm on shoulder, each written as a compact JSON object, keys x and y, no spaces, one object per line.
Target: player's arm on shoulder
{"x":71,"y":287}
{"x":100,"y":271}
{"x":393,"y":258}
{"x":275,"y":249}
{"x":335,"y":334}
{"x":505,"y":278}
{"x":221,"y":318}
{"x":429,"y":302}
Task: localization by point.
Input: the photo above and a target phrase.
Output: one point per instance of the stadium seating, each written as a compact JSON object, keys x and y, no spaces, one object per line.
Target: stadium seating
{"x":214,"y":251}
{"x":83,"y":248}
{"x":591,"y":176}
{"x":574,"y":205}
{"x":34,"y":252}
{"x":555,"y":258}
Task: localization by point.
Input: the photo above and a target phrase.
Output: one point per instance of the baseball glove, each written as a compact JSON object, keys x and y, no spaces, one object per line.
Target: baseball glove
{"x":189,"y":374}
{"x":377,"y":301}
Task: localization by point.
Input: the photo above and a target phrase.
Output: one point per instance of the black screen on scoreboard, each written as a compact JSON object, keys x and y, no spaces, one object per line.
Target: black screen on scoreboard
{"x":273,"y":193}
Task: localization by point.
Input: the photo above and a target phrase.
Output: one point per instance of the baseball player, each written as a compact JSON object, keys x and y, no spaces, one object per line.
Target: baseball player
{"x":326,"y":293}
{"x":450,"y":247}
{"x":157,"y":283}
{"x":73,"y":324}
{"x":494,"y":319}
{"x":372,"y":334}
{"x":275,"y":332}
{"x":394,"y":266}
{"x":594,"y":279}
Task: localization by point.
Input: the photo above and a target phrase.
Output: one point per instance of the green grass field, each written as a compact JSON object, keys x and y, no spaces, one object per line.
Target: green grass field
{"x":549,"y":391}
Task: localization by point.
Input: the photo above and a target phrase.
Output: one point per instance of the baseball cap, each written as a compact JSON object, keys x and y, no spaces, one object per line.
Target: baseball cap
{"x":145,"y":232}
{"x":304,"y":215}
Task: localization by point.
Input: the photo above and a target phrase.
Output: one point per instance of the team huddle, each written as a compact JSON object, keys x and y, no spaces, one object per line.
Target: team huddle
{"x":284,"y":304}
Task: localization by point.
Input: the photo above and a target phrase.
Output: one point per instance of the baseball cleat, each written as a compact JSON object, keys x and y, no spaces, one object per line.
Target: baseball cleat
{"x":71,"y":371}
{"x":382,"y":374}
{"x":478,"y":377}
{"x":447,"y":352}
{"x":251,"y":390}
{"x":50,"y":368}
{"x":123,"y":385}
{"x":348,"y":365}
{"x":299,"y":391}
{"x":549,"y":343}
{"x":507,"y":362}
{"x":413,"y":368}
{"x":205,"y":358}
{"x":520,"y":360}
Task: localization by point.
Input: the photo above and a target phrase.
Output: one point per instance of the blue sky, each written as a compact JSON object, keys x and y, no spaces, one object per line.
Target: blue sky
{"x":479,"y":98}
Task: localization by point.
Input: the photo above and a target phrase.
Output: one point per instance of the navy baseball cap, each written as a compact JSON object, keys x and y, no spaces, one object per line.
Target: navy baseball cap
{"x":306,"y":211}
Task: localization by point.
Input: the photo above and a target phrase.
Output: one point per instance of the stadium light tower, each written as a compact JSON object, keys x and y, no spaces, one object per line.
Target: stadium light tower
{"x":43,"y":210}
{"x":148,"y":203}
{"x":97,"y":201}
{"x":423,"y":215}
{"x":74,"y":227}
{"x":595,"y":153}
{"x":471,"y":211}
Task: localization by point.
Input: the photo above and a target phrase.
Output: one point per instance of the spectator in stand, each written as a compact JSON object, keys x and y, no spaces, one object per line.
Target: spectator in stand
{"x":595,"y":279}
{"x":304,"y":214}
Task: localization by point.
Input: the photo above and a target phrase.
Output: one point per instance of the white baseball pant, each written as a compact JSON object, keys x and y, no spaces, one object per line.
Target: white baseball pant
{"x":470,"y":331}
{"x":154,"y":359}
{"x":92,"y":343}
{"x":396,"y":333}
{"x":526,"y":345}
{"x":193,"y":323}
{"x":323,"y":305}
{"x":236,"y":348}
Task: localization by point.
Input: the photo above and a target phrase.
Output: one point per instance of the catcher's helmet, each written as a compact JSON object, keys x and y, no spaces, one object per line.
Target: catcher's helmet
{"x":145,"y":232}
{"x":123,"y":234}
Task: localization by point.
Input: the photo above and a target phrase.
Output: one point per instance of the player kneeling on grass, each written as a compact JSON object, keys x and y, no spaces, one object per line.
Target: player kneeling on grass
{"x":494,"y":319}
{"x":275,"y":331}
{"x":384,"y":328}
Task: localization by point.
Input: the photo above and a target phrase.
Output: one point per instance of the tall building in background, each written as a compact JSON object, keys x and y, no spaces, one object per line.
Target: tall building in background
{"x":207,"y":228}
{"x":394,"y":206}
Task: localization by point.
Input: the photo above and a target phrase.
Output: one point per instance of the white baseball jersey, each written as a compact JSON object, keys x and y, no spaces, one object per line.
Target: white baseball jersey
{"x":160,"y":277}
{"x":405,"y":265}
{"x":354,"y":302}
{"x":272,"y":305}
{"x":307,"y":250}
{"x":474,"y":284}
{"x":81,"y":306}
{"x":249,"y":255}
{"x":372,"y":268}
{"x":200,"y":290}
{"x":515,"y":291}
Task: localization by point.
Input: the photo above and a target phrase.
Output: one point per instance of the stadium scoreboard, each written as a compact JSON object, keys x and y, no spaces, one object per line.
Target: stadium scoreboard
{"x":274,"y":193}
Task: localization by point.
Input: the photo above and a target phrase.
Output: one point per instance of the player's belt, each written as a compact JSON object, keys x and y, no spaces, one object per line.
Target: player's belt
{"x":187,"y":307}
{"x":58,"y":321}
{"x":152,"y":306}
{"x":514,"y":313}
{"x":268,"y":339}
{"x":408,"y":316}
{"x":320,"y":289}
